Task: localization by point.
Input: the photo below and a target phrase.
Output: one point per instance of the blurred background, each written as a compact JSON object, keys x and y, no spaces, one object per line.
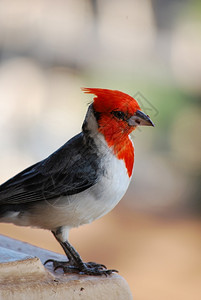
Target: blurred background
{"x":150,"y":50}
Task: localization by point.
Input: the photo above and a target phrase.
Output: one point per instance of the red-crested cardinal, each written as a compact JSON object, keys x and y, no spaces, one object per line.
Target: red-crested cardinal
{"x":80,"y":182}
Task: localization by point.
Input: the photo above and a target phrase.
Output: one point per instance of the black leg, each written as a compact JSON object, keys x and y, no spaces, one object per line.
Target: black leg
{"x":75,"y":263}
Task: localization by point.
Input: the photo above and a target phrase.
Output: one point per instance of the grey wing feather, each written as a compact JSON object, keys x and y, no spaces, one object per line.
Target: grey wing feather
{"x":71,"y":169}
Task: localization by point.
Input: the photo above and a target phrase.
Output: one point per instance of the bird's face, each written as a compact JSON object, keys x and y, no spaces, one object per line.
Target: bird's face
{"x":117,"y":114}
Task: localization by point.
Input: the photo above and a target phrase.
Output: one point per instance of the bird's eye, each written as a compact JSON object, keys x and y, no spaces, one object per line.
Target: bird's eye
{"x":119,"y":114}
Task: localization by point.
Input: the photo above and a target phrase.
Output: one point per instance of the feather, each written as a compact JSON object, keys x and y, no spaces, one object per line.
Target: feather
{"x":70,"y":170}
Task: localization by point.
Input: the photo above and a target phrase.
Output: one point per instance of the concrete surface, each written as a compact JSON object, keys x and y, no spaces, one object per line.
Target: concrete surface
{"x":23,"y":276}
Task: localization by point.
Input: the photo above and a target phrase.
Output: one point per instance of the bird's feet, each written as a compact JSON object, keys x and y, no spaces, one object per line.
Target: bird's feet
{"x":95,"y":269}
{"x":89,"y":268}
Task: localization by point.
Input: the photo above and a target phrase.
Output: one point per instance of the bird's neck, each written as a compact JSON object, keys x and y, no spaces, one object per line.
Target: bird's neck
{"x":123,"y":149}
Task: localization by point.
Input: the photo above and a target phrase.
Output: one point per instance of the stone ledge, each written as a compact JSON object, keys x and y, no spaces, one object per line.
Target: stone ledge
{"x":23,"y":276}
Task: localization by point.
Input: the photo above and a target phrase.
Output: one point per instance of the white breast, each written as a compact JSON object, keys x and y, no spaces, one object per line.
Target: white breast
{"x":104,"y":196}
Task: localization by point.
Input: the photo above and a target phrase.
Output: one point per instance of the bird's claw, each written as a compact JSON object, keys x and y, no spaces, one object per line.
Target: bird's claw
{"x":96,"y":270}
{"x":91,"y":264}
{"x":89,"y":268}
{"x":60,"y":264}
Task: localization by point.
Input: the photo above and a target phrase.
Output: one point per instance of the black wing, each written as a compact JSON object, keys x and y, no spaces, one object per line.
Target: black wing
{"x":71,"y":169}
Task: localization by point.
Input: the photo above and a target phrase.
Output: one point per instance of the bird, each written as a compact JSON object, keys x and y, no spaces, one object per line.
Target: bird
{"x":81,"y":181}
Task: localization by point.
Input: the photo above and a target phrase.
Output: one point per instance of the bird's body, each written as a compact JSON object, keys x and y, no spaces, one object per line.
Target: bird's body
{"x":81,"y":181}
{"x":101,"y":184}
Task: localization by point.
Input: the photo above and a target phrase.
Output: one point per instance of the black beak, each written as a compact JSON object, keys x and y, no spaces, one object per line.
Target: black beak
{"x":140,"y":119}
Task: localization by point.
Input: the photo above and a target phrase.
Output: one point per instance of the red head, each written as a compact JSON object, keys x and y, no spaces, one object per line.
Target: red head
{"x":110,"y":100}
{"x":117,"y":115}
